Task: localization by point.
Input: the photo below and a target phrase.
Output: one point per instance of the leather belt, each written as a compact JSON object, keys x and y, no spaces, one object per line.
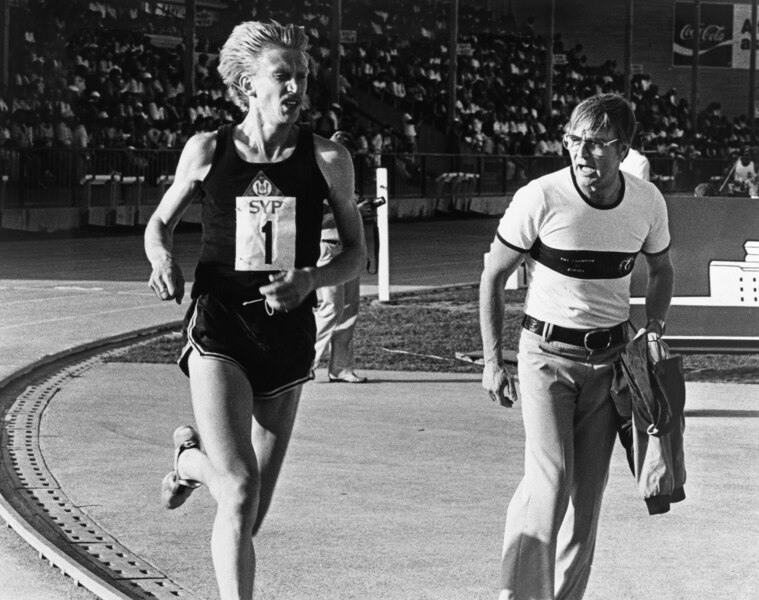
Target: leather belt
{"x":590,"y":339}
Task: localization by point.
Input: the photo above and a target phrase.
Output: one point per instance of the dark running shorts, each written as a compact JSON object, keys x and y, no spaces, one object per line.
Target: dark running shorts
{"x":275,"y":352}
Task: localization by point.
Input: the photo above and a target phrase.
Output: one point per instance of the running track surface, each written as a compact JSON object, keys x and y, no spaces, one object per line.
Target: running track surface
{"x":427,"y":523}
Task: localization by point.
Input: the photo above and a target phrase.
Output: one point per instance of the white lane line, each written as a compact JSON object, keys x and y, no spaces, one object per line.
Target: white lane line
{"x":44,"y":299}
{"x":135,"y":293}
{"x":83,"y":315}
{"x":100,"y":292}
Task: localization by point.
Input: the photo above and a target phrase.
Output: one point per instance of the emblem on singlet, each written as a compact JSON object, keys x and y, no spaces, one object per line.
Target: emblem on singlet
{"x":265,"y":227}
{"x":261,"y":185}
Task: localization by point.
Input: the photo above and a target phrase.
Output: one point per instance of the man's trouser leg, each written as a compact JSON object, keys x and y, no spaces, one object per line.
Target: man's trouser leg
{"x":594,"y":444}
{"x":342,"y":359}
{"x":330,"y":305}
{"x":552,"y":381}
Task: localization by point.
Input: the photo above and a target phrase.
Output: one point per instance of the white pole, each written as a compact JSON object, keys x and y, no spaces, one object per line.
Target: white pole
{"x":383,"y":260}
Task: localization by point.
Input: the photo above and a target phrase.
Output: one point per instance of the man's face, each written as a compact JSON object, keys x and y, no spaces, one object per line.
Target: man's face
{"x":279,"y":85}
{"x":595,"y":163}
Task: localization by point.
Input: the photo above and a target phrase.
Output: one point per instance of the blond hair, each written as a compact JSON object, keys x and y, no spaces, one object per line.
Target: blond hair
{"x":240,"y":54}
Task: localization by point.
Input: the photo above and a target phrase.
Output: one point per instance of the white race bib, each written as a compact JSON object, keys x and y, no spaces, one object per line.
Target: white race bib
{"x":265,"y":235}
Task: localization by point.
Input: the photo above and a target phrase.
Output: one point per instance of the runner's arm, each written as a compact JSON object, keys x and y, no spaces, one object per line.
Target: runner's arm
{"x":166,"y":278}
{"x":337,"y":166}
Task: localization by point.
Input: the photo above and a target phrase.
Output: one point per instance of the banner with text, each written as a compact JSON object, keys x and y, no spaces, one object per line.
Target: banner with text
{"x":724,"y":35}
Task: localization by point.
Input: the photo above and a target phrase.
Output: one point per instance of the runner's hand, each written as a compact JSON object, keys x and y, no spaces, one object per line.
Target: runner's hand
{"x":288,"y":288}
{"x":500,"y":383}
{"x":167,"y":281}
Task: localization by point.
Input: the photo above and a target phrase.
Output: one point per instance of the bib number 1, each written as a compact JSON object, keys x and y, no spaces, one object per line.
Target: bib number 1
{"x":265,"y":233}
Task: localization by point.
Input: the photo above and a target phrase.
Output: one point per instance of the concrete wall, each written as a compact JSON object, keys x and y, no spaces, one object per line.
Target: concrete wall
{"x":706,"y":231}
{"x":703,"y":230}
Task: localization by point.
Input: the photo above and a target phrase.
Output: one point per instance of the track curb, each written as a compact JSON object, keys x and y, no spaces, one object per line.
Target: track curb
{"x":82,"y":572}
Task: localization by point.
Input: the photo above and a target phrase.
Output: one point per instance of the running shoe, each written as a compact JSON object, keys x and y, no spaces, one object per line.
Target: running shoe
{"x":174,"y":491}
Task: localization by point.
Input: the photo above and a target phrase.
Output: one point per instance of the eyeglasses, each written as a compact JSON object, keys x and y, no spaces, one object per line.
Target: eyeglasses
{"x":595,"y":146}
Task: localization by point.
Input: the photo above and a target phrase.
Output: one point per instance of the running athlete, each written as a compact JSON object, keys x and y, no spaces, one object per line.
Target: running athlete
{"x":250,"y":326}
{"x":579,"y":230}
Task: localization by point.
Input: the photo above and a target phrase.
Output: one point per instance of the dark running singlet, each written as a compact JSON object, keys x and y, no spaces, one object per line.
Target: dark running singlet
{"x":258,"y":218}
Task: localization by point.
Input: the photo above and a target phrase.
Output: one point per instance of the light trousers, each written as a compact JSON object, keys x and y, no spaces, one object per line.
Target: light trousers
{"x":569,"y":423}
{"x":336,"y":315}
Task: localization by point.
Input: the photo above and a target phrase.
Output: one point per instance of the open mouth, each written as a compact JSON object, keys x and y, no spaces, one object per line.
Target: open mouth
{"x":292,"y":103}
{"x":586,"y":170}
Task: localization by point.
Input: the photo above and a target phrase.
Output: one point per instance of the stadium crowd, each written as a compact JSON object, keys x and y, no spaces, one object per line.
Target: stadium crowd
{"x":88,"y":74}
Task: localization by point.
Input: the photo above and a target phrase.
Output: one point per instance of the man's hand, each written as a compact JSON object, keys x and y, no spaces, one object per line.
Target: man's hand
{"x":500,"y":383}
{"x":288,"y":288}
{"x":167,"y":280}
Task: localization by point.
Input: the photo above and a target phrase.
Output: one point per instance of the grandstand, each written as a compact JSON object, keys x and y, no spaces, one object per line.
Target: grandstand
{"x":99,"y":96}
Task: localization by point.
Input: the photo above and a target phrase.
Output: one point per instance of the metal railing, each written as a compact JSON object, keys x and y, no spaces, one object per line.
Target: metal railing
{"x":58,"y":177}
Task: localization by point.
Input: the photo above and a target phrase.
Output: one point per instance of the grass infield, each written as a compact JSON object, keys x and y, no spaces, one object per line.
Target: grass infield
{"x":430,"y":331}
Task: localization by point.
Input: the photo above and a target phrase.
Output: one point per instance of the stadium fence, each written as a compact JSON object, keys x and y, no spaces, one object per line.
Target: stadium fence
{"x":60,"y":177}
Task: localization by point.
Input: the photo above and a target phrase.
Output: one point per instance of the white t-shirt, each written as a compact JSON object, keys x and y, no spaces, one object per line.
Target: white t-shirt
{"x":637,"y":164}
{"x":580,"y":255}
{"x":742,"y":173}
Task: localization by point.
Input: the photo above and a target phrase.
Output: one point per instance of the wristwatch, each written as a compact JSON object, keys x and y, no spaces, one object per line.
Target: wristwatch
{"x":660,"y":322}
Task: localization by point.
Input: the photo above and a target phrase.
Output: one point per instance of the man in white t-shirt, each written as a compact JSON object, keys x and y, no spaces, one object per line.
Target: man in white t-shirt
{"x":744,"y":168}
{"x":579,"y":230}
{"x":636,"y":163}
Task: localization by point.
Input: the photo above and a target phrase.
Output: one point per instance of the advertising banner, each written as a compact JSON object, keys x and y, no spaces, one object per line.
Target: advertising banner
{"x":741,"y":36}
{"x":724,"y":35}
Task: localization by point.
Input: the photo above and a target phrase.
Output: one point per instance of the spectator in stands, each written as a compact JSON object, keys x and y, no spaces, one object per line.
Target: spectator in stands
{"x":4,"y":108}
{"x":408,"y":127}
{"x":64,"y":137}
{"x":554,"y":145}
{"x":114,"y":136}
{"x":752,"y":187}
{"x":500,"y":72}
{"x":743,"y":168}
{"x":388,"y":143}
{"x":376,"y":146}
{"x":79,"y":136}
{"x":337,"y":310}
{"x":250,"y":327}
{"x":333,"y":119}
{"x":541,"y":148}
{"x":5,"y":132}
{"x":705,"y":189}
{"x":22,"y":134}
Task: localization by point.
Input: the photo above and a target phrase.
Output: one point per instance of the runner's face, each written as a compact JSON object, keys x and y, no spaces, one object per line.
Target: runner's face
{"x":279,"y":85}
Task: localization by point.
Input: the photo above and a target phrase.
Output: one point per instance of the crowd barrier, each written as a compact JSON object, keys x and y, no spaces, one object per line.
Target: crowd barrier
{"x":49,"y":189}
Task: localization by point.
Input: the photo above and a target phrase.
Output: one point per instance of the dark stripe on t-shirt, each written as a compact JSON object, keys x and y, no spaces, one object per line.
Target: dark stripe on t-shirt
{"x":584,"y":264}
{"x":510,"y":245}
{"x":659,"y":253}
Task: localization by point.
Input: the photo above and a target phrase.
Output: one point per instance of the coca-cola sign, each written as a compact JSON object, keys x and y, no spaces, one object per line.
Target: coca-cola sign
{"x":710,"y":34}
{"x":714,"y":33}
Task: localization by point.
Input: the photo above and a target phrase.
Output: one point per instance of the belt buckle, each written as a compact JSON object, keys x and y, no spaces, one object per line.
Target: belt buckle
{"x":592,"y":335}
